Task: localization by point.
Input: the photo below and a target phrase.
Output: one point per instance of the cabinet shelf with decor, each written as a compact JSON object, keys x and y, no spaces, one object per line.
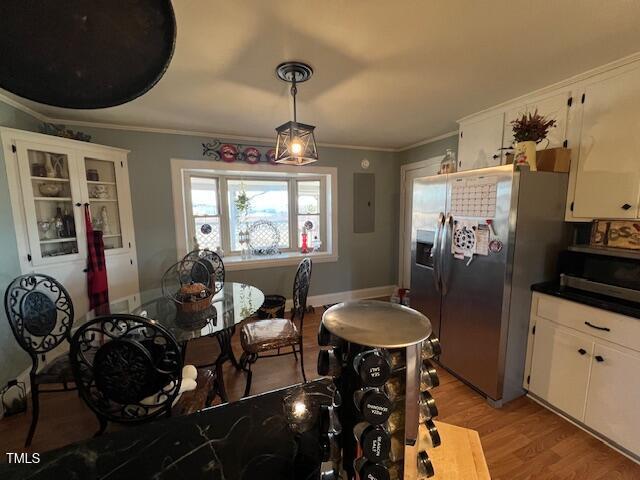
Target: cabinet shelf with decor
{"x":51,"y":180}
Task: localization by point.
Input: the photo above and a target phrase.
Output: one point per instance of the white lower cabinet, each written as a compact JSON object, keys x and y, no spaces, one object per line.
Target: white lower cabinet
{"x":560,"y":367}
{"x":592,"y":380}
{"x":613,"y":396}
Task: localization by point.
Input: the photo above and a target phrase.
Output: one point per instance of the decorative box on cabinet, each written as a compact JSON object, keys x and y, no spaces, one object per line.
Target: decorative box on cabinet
{"x":583,"y":361}
{"x":48,"y":176}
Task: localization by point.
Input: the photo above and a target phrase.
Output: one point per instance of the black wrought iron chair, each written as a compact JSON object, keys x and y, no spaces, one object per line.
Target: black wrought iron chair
{"x":184,"y":272}
{"x":40,"y":313}
{"x":128,"y":369}
{"x":212,"y":260}
{"x":259,"y":336}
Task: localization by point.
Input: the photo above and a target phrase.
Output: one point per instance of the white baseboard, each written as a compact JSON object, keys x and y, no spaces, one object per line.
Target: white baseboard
{"x":338,"y":297}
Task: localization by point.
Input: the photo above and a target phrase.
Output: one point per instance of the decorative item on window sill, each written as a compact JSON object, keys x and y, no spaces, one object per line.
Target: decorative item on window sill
{"x":238,"y":152}
{"x":14,"y":398}
{"x":263,"y":238}
{"x":295,"y":142}
{"x":306,"y":228}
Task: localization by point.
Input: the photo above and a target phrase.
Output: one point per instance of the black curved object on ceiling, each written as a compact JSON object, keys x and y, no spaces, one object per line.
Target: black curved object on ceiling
{"x":84,"y":54}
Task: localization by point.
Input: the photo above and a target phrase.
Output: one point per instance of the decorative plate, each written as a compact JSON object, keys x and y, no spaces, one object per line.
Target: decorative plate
{"x":251,"y":155}
{"x":229,"y":152}
{"x":271,"y":156}
{"x":264,"y":238}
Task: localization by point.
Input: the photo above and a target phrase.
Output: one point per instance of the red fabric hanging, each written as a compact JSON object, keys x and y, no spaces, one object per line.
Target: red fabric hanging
{"x":96,"y":267}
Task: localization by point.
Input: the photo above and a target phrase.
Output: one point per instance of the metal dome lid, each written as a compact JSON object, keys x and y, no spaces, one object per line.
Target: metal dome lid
{"x":377,"y":324}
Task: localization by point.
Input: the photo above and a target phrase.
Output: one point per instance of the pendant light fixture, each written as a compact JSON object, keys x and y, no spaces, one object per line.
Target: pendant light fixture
{"x":295,"y":142}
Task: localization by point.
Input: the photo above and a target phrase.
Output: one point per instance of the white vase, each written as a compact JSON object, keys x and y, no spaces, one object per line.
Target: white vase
{"x":525,"y":154}
{"x":48,"y":166}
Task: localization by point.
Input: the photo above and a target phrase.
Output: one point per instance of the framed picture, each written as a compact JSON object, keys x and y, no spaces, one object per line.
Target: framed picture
{"x":616,"y":234}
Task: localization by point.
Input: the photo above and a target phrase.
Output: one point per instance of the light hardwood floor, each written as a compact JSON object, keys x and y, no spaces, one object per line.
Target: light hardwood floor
{"x":522,"y":440}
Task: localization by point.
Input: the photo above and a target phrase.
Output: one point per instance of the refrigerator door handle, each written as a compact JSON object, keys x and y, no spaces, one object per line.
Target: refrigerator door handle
{"x":445,"y":253}
{"x":436,"y":251}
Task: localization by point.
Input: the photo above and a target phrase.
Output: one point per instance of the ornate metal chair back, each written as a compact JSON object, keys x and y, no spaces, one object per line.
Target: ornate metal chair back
{"x":128,"y":369}
{"x":213,"y":263}
{"x":301,"y":285}
{"x":40,"y":313}
{"x":184,"y":272}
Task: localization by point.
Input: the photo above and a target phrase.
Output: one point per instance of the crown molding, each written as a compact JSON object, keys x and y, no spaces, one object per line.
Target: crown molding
{"x":23,"y":108}
{"x":581,"y":77}
{"x":567,"y":82}
{"x":428,"y":140}
{"x":168,"y":131}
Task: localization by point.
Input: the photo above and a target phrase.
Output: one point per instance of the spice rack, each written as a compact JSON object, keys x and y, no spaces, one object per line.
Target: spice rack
{"x":378,"y":355}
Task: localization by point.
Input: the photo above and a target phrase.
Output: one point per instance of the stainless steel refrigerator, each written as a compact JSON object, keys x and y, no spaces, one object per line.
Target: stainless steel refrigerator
{"x":480,"y":238}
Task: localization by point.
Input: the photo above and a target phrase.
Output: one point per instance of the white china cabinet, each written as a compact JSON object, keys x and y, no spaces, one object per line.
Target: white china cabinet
{"x":51,"y":182}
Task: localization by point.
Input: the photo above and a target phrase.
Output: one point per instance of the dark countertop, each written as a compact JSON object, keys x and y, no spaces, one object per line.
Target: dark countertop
{"x":612,"y":304}
{"x":248,"y":440}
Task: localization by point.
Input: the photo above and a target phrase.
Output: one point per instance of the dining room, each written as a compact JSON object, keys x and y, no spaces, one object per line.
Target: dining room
{"x":336,"y":240}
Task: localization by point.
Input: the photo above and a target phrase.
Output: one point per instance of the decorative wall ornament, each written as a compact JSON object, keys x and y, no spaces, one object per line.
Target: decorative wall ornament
{"x":64,"y":132}
{"x":238,"y":152}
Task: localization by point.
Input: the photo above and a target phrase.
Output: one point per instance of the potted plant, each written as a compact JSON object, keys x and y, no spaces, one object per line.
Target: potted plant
{"x":529,"y":130}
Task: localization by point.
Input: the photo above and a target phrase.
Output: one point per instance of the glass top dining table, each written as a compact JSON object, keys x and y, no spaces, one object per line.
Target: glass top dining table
{"x":231,"y":304}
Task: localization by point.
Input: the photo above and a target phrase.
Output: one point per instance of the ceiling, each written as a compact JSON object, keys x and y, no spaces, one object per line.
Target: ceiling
{"x":388,"y":74}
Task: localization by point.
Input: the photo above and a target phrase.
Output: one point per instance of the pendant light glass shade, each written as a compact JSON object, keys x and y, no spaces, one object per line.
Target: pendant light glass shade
{"x":295,"y":141}
{"x":296,"y":144}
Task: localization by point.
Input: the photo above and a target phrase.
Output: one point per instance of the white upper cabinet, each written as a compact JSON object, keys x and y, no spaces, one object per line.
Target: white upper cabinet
{"x":480,"y":142}
{"x":607,"y":177}
{"x":553,"y":107}
{"x":52,"y":197}
{"x":51,"y":182}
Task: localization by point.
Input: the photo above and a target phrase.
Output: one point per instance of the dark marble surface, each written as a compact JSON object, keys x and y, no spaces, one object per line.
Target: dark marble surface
{"x":249,"y":440}
{"x":612,"y":304}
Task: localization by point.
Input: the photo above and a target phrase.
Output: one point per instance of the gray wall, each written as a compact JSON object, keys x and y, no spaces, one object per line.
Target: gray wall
{"x":429,"y":150}
{"x":13,"y":360}
{"x":366,"y":260}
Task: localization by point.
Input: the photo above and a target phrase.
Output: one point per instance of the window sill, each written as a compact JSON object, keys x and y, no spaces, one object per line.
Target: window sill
{"x":235,"y":262}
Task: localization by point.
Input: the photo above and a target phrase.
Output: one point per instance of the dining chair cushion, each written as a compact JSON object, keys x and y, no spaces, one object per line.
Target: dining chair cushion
{"x":57,"y":370}
{"x":262,"y":335}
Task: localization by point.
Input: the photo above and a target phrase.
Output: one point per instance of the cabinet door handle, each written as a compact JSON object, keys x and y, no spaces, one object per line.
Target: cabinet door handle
{"x":78,"y":204}
{"x":599,"y":358}
{"x":86,"y":204}
{"x":582,"y":351}
{"x":604,"y":329}
{"x":626,"y":206}
{"x":496,"y":156}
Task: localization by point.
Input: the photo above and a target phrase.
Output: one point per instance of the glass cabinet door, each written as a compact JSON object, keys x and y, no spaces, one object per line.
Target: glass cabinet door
{"x":101,"y":177}
{"x":51,"y":201}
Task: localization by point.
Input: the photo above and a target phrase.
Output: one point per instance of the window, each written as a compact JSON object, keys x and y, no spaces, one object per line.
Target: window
{"x":309,"y":211}
{"x":266,"y":200}
{"x":221,"y":207}
{"x":205,"y":214}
